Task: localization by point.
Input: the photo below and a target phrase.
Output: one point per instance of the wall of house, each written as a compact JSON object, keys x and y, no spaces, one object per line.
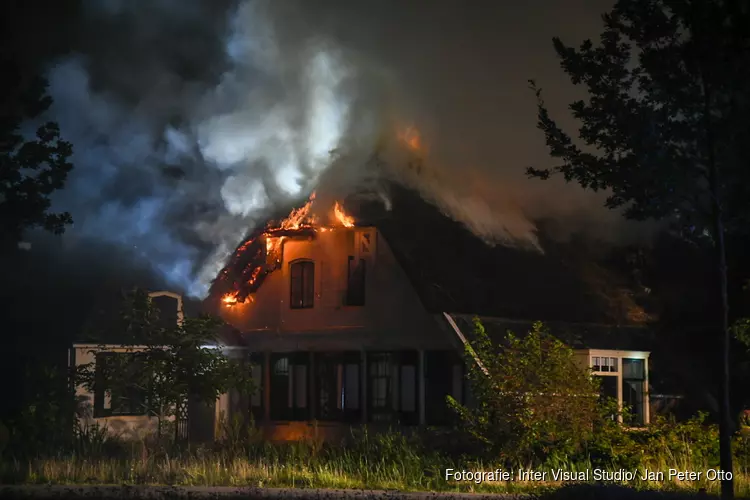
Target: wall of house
{"x":392,"y":317}
{"x":127,"y":427}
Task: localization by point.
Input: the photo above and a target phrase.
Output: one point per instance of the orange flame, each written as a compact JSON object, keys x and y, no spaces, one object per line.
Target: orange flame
{"x":341,"y":217}
{"x":299,"y":216}
{"x":298,"y":219}
{"x":229,"y":299}
{"x":411,"y":138}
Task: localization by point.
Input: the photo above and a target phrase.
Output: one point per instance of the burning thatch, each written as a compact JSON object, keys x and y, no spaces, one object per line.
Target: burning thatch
{"x":262,"y":252}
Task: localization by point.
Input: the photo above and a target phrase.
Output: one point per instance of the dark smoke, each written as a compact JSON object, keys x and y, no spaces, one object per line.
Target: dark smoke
{"x":192,"y":121}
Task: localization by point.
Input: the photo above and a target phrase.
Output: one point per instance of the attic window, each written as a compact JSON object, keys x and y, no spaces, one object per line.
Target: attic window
{"x":604,"y":364}
{"x":302,"y":285}
{"x":355,"y":292}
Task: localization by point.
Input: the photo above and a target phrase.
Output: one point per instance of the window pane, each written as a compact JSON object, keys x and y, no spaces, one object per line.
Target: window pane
{"x":633,"y":369}
{"x":302,"y":285}
{"x":351,"y":387}
{"x":632,"y":397}
{"x":613,"y":364}
{"x":408,"y":388}
{"x":300,"y":386}
{"x":355,"y":292}
{"x":309,"y":284}
{"x":257,"y":376}
{"x":395,"y":387}
{"x":595,"y":363}
{"x":281,"y":367}
{"x":379,"y":392}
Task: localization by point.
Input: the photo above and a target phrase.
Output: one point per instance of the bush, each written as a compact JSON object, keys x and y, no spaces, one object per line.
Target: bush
{"x":534,"y":399}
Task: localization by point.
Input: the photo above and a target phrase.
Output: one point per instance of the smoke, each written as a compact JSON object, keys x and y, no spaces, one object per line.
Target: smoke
{"x":192,"y":121}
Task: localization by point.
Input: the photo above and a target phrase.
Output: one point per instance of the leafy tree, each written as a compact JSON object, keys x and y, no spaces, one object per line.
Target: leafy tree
{"x":30,"y":169}
{"x":534,"y":399}
{"x":171,"y":363}
{"x":664,"y":129}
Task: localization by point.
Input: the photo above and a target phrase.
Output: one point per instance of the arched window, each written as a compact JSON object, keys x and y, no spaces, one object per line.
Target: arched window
{"x":302,"y":285}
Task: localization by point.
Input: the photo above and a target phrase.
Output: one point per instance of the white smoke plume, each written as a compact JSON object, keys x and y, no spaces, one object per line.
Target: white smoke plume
{"x":192,"y":121}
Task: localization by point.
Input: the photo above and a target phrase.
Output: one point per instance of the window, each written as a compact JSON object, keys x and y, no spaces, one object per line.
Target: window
{"x":289,"y":386}
{"x":443,"y":377}
{"x":355,"y":291}
{"x":633,"y":388}
{"x":338,"y":386}
{"x":128,"y":397}
{"x":392,"y":387}
{"x":604,"y":364}
{"x":302,"y":285}
{"x":258,"y":378}
{"x":380,"y":375}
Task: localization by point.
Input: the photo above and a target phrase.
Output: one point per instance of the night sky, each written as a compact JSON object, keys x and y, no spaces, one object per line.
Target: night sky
{"x":191,"y":120}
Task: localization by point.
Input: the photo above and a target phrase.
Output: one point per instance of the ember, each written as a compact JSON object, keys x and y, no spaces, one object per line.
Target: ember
{"x":262,"y":253}
{"x":411,"y":138}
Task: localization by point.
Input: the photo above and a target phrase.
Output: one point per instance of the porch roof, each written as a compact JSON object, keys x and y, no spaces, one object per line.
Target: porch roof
{"x":576,"y":335}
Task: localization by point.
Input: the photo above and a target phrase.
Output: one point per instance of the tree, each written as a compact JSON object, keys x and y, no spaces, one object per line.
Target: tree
{"x":30,"y":169}
{"x":664,"y":129}
{"x":534,"y":398}
{"x":170,"y":364}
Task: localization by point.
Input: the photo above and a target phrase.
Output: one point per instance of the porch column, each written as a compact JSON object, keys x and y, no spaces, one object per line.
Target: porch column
{"x":312,"y":386}
{"x":421,"y":396}
{"x":620,"y":404}
{"x":266,"y":387}
{"x":364,"y":399}
{"x":646,"y":394}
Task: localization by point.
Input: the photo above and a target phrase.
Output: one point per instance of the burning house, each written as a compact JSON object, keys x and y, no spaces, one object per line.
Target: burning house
{"x":362,"y":317}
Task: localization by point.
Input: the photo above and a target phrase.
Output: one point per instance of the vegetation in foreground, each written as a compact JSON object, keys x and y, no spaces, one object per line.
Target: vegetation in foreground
{"x":522,"y":417}
{"x":368,"y":460}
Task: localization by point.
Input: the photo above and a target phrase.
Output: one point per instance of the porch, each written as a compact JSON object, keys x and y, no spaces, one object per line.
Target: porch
{"x":302,"y":393}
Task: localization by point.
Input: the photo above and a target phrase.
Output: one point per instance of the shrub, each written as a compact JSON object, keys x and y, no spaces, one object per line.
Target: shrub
{"x":534,"y":399}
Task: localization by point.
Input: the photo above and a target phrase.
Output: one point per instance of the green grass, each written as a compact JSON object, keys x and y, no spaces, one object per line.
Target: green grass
{"x":298,"y":467}
{"x":368,"y":461}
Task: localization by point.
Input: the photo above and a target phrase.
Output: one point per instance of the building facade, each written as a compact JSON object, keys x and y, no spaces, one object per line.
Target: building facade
{"x":337,"y":335}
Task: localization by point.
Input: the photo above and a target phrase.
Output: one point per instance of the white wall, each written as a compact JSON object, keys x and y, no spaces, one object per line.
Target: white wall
{"x":127,"y":427}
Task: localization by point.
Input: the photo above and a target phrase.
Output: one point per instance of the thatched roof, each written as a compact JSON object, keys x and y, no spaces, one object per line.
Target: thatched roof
{"x":454,"y":270}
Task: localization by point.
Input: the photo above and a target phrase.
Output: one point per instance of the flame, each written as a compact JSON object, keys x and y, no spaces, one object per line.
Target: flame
{"x":255,"y":267}
{"x":299,"y":216}
{"x":411,"y":138}
{"x":229,"y":299}
{"x":341,"y":217}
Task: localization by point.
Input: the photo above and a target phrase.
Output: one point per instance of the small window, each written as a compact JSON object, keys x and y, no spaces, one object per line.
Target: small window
{"x":302,"y":285}
{"x":355,"y":291}
{"x":126,"y":397}
{"x":604,"y":364}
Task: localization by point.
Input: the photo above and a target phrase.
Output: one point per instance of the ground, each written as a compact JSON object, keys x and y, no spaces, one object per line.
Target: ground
{"x":226,"y":492}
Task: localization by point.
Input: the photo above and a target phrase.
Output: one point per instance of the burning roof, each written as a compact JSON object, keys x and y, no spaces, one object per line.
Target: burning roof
{"x":261,"y":253}
{"x":450,"y":268}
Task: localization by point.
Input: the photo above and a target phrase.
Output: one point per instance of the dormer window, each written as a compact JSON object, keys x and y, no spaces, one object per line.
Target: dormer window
{"x":302,"y":284}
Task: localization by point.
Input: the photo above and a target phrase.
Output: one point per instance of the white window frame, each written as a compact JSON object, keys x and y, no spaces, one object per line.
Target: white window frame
{"x":590,"y":354}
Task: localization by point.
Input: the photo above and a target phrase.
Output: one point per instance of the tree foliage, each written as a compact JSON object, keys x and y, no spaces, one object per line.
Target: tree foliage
{"x":666,"y":102}
{"x":166,"y":364}
{"x":533,"y":398}
{"x":31,"y":169}
{"x":665,"y":130}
